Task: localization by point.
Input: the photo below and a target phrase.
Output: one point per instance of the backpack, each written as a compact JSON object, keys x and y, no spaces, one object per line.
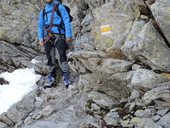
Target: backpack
{"x":59,"y":13}
{"x":68,"y":11}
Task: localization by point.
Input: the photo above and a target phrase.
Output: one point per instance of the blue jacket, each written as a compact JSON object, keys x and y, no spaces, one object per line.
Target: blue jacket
{"x":56,"y":21}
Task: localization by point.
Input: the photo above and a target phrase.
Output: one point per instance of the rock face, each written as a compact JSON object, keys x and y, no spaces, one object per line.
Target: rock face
{"x":119,"y":22}
{"x":119,"y":68}
{"x":164,"y":121}
{"x":94,"y":3}
{"x":148,"y":47}
{"x":103,"y":100}
{"x":146,"y":78}
{"x":160,"y":10}
{"x":17,"y":33}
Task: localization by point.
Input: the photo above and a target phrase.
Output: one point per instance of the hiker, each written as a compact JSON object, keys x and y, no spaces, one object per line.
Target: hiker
{"x":54,"y":32}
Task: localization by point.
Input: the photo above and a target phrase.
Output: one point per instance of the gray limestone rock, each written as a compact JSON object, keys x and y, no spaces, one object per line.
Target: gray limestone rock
{"x":103,"y":100}
{"x":146,"y":79}
{"x":164,"y":121}
{"x":148,"y":47}
{"x":112,"y":118}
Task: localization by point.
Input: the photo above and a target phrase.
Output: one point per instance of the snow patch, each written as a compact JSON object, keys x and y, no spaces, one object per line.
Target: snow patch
{"x":21,"y":82}
{"x":34,"y":61}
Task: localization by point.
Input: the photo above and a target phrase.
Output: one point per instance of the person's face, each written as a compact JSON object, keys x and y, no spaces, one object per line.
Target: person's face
{"x":48,"y":1}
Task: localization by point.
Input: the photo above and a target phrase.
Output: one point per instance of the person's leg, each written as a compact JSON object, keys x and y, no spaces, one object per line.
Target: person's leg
{"x":61,"y":48}
{"x":54,"y":61}
{"x":49,"y":49}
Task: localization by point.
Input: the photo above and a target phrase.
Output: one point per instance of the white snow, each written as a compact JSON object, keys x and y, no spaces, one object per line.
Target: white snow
{"x":34,"y":61}
{"x":21,"y":82}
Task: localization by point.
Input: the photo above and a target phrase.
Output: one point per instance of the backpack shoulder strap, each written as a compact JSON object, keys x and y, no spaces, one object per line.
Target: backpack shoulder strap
{"x":52,"y":17}
{"x":59,"y":14}
{"x":44,"y":13}
{"x":68,"y":11}
{"x":58,"y":11}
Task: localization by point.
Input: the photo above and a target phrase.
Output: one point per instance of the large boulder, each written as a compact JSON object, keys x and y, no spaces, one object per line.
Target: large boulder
{"x":94,"y":3}
{"x":16,"y":23}
{"x":113,"y":66}
{"x":143,"y":78}
{"x":116,"y":85}
{"x":164,"y":121}
{"x":111,"y":24}
{"x":17,"y":33}
{"x":147,"y":123}
{"x":22,"y":108}
{"x":148,"y":47}
{"x":159,"y":93}
{"x":97,"y":62}
{"x":103,"y":100}
{"x":161,"y":12}
{"x":77,"y":8}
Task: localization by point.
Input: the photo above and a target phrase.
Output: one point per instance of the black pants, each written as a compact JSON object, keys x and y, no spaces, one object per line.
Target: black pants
{"x":55,"y":50}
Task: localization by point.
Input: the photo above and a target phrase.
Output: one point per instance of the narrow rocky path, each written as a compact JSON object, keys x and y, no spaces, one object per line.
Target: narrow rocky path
{"x":56,"y":107}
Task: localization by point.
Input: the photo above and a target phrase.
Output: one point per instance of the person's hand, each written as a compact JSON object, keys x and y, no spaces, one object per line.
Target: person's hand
{"x":68,"y":40}
{"x":41,"y":43}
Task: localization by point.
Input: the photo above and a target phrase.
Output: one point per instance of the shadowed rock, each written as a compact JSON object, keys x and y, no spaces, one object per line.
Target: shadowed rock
{"x":2,"y":81}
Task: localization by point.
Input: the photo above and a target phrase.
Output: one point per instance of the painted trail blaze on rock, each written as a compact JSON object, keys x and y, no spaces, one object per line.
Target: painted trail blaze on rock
{"x":105,"y":29}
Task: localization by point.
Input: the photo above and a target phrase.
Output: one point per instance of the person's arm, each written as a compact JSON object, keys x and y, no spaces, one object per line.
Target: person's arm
{"x":67,"y":24}
{"x":40,"y":27}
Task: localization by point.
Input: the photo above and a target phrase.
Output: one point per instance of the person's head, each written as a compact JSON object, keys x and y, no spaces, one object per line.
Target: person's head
{"x":48,"y":1}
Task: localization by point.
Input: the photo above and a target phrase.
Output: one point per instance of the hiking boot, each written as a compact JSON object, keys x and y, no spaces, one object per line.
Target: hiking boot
{"x":66,"y":79}
{"x":51,"y":82}
{"x":50,"y":85}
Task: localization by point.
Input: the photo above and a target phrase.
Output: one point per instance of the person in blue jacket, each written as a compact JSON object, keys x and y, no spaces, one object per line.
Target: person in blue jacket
{"x":60,"y":34}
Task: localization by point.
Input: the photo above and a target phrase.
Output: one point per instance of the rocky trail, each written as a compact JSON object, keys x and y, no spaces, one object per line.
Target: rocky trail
{"x":120,"y":67}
